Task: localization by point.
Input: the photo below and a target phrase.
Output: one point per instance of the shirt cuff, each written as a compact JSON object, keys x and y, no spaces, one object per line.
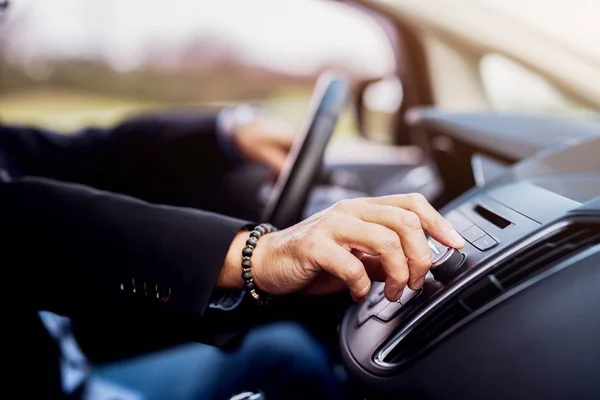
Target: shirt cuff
{"x":227,"y":301}
{"x":229,"y":120}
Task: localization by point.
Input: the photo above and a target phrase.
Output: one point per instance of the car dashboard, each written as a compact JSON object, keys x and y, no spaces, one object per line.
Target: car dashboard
{"x":511,"y":315}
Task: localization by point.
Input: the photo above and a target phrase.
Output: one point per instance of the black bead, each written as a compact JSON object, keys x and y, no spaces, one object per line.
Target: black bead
{"x":249,"y":285}
{"x":267,"y":228}
{"x":260,"y":229}
{"x":246,"y":275}
{"x":251,"y":242}
{"x":247,"y":252}
{"x":255,"y":234}
{"x":246,"y":263}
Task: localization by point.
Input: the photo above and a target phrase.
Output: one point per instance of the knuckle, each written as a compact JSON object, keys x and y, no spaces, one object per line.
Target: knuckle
{"x":353,"y":273}
{"x":417,"y":198}
{"x":402,"y":277}
{"x":390,"y":213}
{"x":364,"y":289}
{"x":423,"y":260}
{"x":330,"y":221}
{"x":342,"y":205}
{"x":389,"y":239}
{"x":411,"y":220}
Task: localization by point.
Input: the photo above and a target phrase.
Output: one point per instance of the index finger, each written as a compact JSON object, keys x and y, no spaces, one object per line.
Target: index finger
{"x":432,"y":221}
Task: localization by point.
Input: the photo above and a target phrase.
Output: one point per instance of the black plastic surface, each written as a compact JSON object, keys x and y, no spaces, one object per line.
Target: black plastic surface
{"x":541,"y":343}
{"x":528,"y":330}
{"x":364,"y":342}
{"x":511,"y":136}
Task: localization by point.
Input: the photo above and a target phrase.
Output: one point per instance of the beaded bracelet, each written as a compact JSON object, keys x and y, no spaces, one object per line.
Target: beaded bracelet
{"x":259,"y":297}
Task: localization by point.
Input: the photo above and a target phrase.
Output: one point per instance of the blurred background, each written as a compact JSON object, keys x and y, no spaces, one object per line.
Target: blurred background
{"x":69,"y":63}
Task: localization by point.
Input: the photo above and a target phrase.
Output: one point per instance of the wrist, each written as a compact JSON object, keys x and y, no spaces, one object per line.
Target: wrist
{"x":260,"y":261}
{"x":229,"y":277}
{"x":259,"y":231}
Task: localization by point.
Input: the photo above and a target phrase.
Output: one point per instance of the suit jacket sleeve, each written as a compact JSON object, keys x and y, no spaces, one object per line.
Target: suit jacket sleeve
{"x":69,"y":248}
{"x":157,"y":157}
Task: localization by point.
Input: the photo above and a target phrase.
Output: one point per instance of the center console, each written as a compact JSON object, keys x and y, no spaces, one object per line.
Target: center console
{"x":477,"y":329}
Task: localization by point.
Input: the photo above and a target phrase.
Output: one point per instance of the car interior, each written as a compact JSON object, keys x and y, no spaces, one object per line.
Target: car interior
{"x":513,"y":313}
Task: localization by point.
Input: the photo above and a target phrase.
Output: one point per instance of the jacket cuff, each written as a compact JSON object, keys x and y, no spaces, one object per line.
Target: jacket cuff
{"x":195,"y":280}
{"x":229,"y":120}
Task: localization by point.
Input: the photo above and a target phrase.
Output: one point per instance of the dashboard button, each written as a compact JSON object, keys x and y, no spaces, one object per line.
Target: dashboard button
{"x":390,"y":311}
{"x":458,"y":221}
{"x":473,"y":233}
{"x":485,"y":243}
{"x":365,"y":312}
{"x":393,"y":309}
{"x":409,"y":294}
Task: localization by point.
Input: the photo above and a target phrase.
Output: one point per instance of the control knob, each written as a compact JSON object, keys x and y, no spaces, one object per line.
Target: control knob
{"x":446,"y":262}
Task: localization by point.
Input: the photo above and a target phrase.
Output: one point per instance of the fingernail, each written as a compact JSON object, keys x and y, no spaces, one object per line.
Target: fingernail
{"x":456,"y":238}
{"x":419,"y":283}
{"x":399,"y":295}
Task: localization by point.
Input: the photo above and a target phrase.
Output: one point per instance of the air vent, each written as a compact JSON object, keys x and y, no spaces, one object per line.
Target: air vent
{"x":427,"y":332}
{"x":504,"y":276}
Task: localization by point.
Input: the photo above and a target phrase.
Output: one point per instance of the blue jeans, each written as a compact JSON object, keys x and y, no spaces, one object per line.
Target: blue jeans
{"x":281,"y":360}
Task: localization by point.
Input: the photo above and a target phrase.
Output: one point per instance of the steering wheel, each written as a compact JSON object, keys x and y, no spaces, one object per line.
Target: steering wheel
{"x":290,"y":193}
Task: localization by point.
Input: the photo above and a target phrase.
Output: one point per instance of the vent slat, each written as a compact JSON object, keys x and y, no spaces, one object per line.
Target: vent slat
{"x":427,"y":332}
{"x":480,"y":294}
{"x":504,"y":276}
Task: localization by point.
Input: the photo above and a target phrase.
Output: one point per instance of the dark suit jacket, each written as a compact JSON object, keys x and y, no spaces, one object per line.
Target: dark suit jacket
{"x":82,"y":229}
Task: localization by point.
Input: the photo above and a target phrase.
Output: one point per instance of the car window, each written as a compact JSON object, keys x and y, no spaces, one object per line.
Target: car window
{"x":66,"y":63}
{"x":510,"y":86}
{"x":573,"y":23}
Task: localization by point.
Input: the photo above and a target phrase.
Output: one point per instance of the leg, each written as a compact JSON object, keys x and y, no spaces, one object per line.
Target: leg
{"x":281,"y":359}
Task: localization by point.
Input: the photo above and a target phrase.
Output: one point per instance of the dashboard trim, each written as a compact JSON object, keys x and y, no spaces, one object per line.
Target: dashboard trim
{"x":380,"y":355}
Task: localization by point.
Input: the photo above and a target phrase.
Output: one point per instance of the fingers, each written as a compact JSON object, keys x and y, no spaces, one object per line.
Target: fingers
{"x":381,"y":238}
{"x":373,"y":267}
{"x":437,"y":226}
{"x":373,"y":239}
{"x":408,"y":226}
{"x":340,"y":263}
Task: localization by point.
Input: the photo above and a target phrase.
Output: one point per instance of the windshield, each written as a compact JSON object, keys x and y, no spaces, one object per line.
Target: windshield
{"x":573,"y":23}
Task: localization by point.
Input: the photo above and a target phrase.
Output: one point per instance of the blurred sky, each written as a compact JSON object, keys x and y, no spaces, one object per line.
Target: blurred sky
{"x":575,"y":23}
{"x":295,"y":36}
{"x":292,"y":36}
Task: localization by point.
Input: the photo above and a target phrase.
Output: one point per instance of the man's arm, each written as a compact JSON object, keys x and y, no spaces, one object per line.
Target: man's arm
{"x":69,"y":248}
{"x":154,"y":157}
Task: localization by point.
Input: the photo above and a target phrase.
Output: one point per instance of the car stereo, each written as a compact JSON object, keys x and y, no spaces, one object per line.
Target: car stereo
{"x":519,"y":234}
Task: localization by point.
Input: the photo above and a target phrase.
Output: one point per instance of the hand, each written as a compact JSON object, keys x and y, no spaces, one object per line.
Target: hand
{"x":347,"y":245}
{"x":264,"y":142}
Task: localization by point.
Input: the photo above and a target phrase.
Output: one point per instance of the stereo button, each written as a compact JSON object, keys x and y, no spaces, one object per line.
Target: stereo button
{"x":365,"y":311}
{"x":390,"y":311}
{"x":485,"y":243}
{"x":393,"y":309}
{"x":473,"y":233}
